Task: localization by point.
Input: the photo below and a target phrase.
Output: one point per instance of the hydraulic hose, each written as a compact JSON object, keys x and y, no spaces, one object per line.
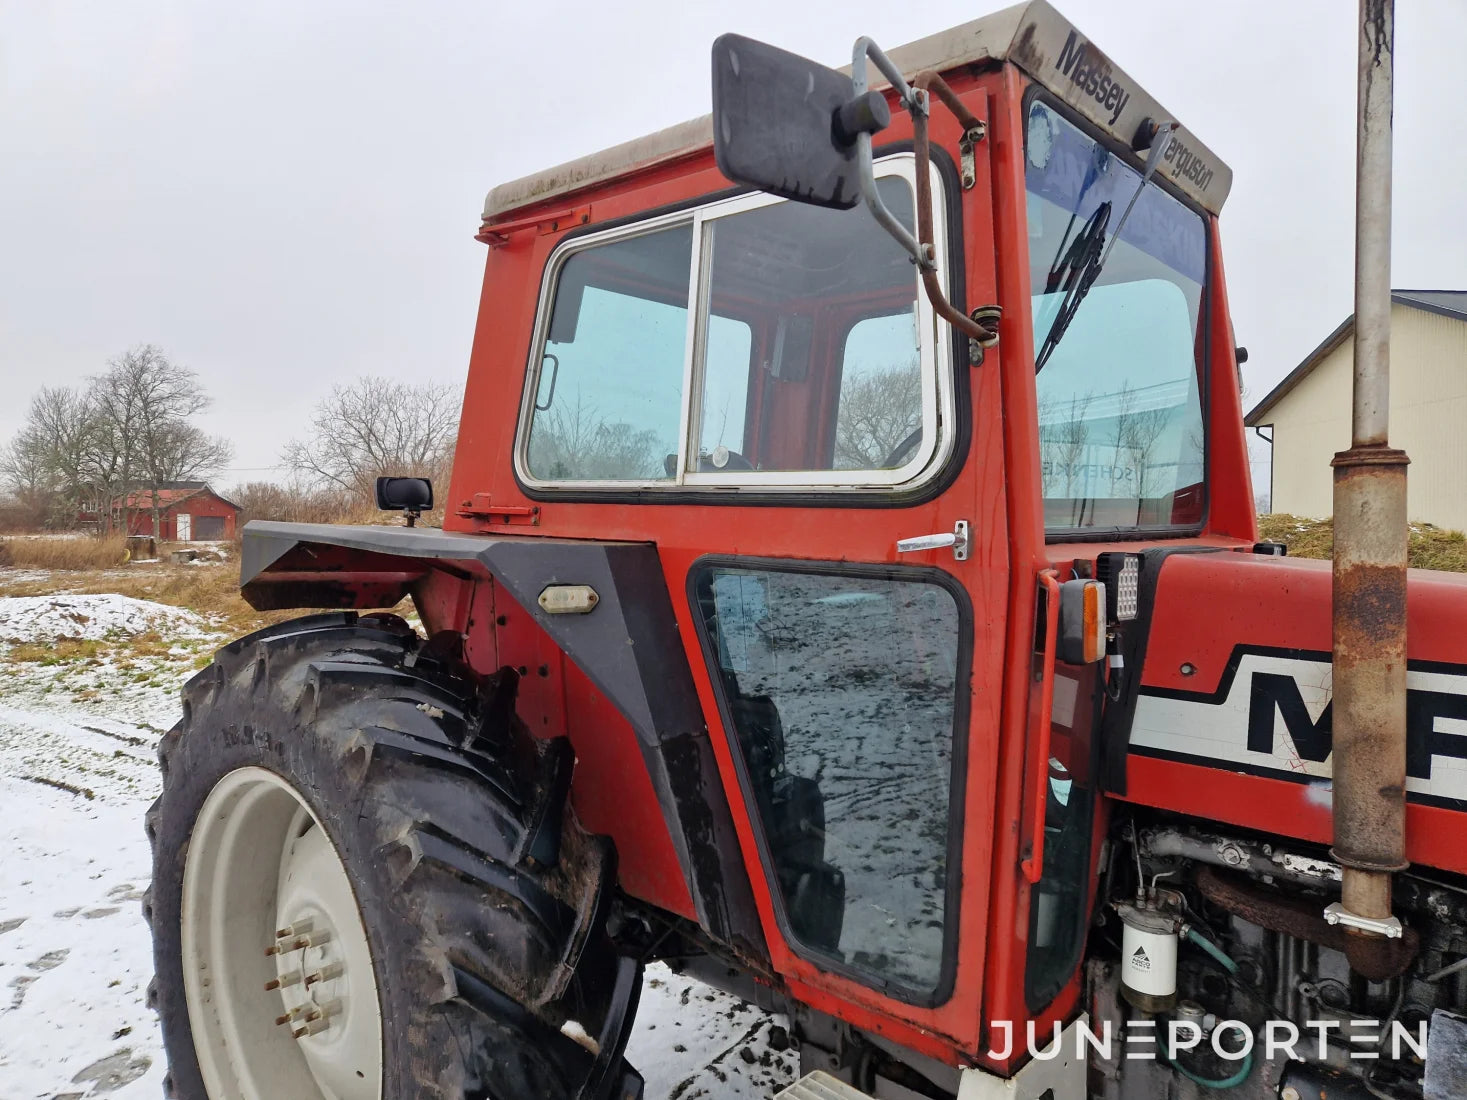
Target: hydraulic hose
{"x":1232,"y":1081}
{"x":1212,"y":949}
{"x":1246,"y":1067}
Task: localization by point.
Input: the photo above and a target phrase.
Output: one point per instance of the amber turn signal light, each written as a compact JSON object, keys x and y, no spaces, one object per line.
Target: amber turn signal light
{"x":1082,"y":622}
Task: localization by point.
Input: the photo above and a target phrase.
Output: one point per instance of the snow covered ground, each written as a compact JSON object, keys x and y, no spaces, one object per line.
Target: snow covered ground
{"x":77,"y":770}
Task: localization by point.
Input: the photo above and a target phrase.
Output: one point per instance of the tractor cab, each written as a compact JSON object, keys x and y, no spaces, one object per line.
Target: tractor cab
{"x":805,"y":456}
{"x":878,"y":359}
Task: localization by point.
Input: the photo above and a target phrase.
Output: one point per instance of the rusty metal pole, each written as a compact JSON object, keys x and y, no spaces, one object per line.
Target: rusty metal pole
{"x":1369,"y":664}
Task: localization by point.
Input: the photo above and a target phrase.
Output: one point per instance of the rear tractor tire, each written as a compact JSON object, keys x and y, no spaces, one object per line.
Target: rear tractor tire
{"x":368,"y":884}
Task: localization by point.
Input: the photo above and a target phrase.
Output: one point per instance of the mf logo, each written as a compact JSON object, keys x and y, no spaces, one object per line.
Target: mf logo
{"x":1278,"y":694}
{"x":1271,"y":715}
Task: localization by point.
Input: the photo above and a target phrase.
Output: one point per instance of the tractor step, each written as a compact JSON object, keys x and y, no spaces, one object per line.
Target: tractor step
{"x":820,"y":1086}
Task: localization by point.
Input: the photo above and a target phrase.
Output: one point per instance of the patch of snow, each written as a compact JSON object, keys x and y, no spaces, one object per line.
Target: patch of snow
{"x":46,"y":618}
{"x":691,"y":1042}
{"x":75,"y":955}
{"x":24,"y":576}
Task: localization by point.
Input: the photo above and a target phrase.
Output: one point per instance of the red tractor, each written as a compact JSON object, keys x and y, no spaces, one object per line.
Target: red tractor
{"x":849,"y":592}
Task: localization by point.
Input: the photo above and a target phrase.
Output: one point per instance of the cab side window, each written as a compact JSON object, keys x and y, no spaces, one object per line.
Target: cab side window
{"x":609,"y":399}
{"x":752,"y":342}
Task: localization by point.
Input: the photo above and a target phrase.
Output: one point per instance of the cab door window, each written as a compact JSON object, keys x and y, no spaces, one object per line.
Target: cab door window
{"x":843,"y":689}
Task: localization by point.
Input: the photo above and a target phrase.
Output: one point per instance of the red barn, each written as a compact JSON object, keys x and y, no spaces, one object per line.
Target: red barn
{"x":186,"y":514}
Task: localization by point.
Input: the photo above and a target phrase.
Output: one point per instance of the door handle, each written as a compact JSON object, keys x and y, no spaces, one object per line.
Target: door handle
{"x":957,"y":538}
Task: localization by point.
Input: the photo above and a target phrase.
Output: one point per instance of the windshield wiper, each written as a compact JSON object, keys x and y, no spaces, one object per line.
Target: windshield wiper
{"x":1082,"y":264}
{"x":1075,"y":274}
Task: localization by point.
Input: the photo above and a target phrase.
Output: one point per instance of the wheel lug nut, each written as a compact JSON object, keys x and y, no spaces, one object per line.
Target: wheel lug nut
{"x":325,"y":974}
{"x":313,"y":1027}
{"x":294,"y":1014}
{"x":315,"y":939}
{"x":330,"y":1008}
{"x":289,"y":978}
{"x":299,"y":928}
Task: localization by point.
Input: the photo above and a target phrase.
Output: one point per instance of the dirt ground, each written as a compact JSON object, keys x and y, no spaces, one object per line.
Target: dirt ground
{"x":91,"y":664}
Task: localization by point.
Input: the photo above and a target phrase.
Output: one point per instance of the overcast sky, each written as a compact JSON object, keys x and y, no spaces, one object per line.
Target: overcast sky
{"x":284,"y":195}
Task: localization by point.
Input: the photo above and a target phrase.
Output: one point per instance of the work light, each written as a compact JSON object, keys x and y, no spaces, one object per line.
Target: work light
{"x":1121,"y":575}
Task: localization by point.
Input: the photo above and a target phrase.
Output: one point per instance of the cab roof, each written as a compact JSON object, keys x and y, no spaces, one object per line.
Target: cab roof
{"x":1033,"y":36}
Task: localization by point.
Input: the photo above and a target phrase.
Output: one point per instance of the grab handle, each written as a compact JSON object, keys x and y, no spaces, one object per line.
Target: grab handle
{"x":1033,"y":865}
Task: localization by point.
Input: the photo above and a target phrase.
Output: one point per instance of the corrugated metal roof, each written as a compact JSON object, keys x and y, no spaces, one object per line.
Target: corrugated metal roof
{"x":1032,"y":35}
{"x":1448,"y":303}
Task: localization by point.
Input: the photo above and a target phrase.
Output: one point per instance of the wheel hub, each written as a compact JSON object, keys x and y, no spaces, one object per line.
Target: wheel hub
{"x":301,"y":1017}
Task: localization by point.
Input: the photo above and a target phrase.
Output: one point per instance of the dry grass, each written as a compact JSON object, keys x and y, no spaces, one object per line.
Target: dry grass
{"x":41,"y":552}
{"x":1429,"y":547}
{"x":60,"y":651}
{"x":210,"y":590}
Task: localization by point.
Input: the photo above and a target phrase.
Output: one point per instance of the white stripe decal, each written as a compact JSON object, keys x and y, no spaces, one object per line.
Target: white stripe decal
{"x":1270,"y":721}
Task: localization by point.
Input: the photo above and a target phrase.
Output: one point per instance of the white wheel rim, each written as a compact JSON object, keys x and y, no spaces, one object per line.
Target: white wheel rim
{"x":277,"y":973}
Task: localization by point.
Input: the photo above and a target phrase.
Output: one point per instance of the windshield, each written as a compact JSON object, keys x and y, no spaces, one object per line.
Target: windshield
{"x":1120,"y":414}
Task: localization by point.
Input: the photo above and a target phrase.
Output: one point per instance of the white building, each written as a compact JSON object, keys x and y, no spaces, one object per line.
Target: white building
{"x":1308,"y":413}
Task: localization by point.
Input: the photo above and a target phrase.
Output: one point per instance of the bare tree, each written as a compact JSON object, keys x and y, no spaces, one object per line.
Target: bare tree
{"x":49,"y":462}
{"x":575,"y":441}
{"x":27,"y":475}
{"x":131,"y":428}
{"x":879,"y":411}
{"x":375,"y":427}
{"x":1064,"y":436}
{"x":1137,"y":432}
{"x":143,"y":408}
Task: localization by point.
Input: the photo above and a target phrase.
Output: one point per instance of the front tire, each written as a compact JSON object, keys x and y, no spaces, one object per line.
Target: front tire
{"x":380,"y":822}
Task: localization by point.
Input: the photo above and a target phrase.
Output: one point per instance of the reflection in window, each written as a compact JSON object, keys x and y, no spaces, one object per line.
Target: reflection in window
{"x":811,"y":363}
{"x":841,"y":692}
{"x":609,"y":400}
{"x":725,"y":391}
{"x":878,"y":422}
{"x":1120,"y":411}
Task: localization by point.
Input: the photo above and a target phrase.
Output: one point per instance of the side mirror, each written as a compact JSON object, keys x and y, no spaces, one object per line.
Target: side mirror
{"x":405,"y":494}
{"x":798,"y":130}
{"x":789,"y":126}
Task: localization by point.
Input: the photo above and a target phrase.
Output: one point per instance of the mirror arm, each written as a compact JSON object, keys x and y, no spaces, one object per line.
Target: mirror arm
{"x":985,"y":336}
{"x":916,"y":98}
{"x":865,"y":48}
{"x":917,"y":105}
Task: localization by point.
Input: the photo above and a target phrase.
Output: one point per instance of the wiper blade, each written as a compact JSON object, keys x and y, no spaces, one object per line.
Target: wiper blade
{"x":1075,"y":275}
{"x":1085,"y":259}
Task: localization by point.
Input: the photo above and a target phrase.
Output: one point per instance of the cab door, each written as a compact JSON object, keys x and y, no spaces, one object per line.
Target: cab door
{"x":846,"y":627}
{"x":763,"y":388}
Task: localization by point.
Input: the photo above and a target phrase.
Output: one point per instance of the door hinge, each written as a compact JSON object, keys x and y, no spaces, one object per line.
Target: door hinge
{"x":957,"y":538}
{"x":968,"y":168}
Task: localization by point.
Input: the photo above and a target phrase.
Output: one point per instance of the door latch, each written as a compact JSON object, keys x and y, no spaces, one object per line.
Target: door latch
{"x":957,"y":538}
